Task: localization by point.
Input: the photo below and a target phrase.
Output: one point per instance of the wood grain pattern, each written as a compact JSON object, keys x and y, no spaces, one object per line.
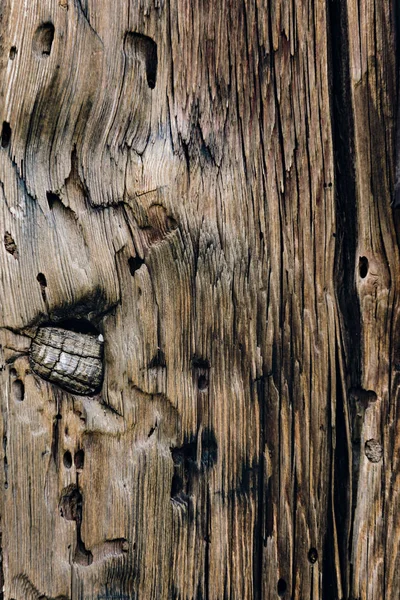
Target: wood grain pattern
{"x":207,"y":186}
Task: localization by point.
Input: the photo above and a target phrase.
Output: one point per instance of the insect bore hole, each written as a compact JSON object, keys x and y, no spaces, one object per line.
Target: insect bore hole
{"x":363,"y":267}
{"x":134,"y":263}
{"x":13,"y":52}
{"x":42,"y":279}
{"x":5,"y":134}
{"x":312,"y":555}
{"x":18,"y":390}
{"x":67,"y":460}
{"x":281,"y":587}
{"x":202,"y":383}
{"x":43,"y":40}
{"x":139,"y":45}
{"x":79,"y":459}
{"x":52,"y":199}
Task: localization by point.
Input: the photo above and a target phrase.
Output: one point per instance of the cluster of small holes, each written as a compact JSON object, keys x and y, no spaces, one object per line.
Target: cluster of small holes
{"x":79,"y":459}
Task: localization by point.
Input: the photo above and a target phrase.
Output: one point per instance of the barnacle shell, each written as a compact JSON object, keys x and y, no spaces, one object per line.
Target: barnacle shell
{"x":74,"y":361}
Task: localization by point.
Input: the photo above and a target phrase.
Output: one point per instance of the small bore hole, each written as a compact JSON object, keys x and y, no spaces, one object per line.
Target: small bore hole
{"x":67,"y":460}
{"x":312,"y":555}
{"x":5,"y":134}
{"x":18,"y":390}
{"x":137,"y":44}
{"x":79,"y":459}
{"x":42,"y":279}
{"x":52,"y":198}
{"x":202,"y":383}
{"x":281,"y":587}
{"x":363,"y":267}
{"x":158,"y":360}
{"x":134,"y":263}
{"x":13,"y":52}
{"x":13,"y":372}
{"x":43,"y":40}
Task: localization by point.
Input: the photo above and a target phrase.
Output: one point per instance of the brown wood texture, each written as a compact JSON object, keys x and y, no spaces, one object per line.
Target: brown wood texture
{"x":207,"y":186}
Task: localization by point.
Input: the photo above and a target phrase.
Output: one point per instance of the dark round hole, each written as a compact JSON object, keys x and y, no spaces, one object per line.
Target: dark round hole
{"x":134,"y":263}
{"x":67,"y":459}
{"x":202,"y":383}
{"x":312,"y":555}
{"x":43,"y":40}
{"x":13,"y":372}
{"x":52,"y":199}
{"x":281,"y":587}
{"x":42,"y":279}
{"x":5,"y":134}
{"x":13,"y":52}
{"x":79,"y":459}
{"x":363,"y":267}
{"x":18,"y":390}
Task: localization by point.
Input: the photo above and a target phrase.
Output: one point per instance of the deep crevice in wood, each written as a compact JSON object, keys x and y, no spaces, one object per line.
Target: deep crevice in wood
{"x":345,"y":266}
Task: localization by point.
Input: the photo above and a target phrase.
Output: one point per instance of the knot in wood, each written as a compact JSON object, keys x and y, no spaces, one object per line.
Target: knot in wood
{"x":73,"y":361}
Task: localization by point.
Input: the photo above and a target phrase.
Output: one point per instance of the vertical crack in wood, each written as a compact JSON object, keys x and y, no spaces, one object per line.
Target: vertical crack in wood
{"x":347,"y":298}
{"x":1,"y":562}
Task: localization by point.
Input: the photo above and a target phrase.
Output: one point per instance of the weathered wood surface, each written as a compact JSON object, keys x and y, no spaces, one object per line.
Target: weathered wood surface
{"x":207,"y":185}
{"x":71,"y":360}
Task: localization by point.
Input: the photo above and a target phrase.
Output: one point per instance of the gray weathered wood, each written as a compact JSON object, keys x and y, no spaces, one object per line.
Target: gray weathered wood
{"x":208,"y":186}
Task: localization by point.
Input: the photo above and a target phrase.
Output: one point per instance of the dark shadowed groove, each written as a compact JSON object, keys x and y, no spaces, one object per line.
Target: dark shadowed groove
{"x":344,"y":280}
{"x":1,"y":567}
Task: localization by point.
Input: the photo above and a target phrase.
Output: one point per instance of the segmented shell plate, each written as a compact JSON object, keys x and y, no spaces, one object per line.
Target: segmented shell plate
{"x":73,"y":361}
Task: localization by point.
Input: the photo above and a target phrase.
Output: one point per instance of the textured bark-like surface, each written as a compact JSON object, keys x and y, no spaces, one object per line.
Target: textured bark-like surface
{"x":71,"y":360}
{"x":207,"y":186}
